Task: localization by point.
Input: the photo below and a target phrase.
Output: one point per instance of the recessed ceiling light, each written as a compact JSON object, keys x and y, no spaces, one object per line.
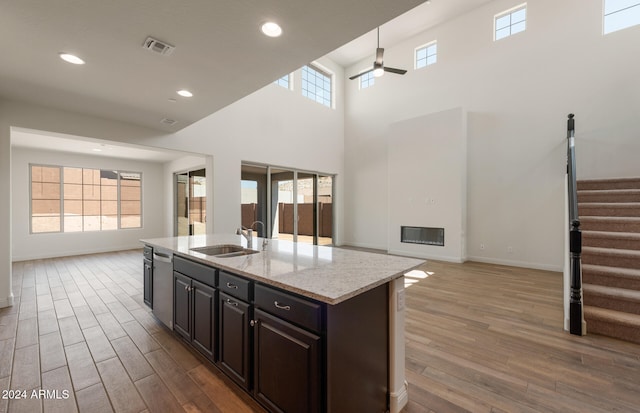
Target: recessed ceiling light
{"x":184,"y":93}
{"x":97,"y":150}
{"x":71,"y":58}
{"x":271,"y":29}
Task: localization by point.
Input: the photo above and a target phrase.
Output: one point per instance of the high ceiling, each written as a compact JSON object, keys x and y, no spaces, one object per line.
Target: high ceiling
{"x":220,"y":53}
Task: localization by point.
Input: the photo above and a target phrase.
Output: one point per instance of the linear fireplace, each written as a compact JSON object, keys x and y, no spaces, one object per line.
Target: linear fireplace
{"x":422,"y":235}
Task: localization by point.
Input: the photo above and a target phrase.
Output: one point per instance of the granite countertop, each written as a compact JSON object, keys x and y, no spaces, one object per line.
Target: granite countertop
{"x":326,"y":274}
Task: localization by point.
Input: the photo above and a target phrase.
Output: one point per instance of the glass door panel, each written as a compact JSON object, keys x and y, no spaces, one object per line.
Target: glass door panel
{"x":306,"y":208}
{"x":325,"y":210}
{"x":197,"y":202}
{"x":253,"y":198}
{"x":282,"y":204}
{"x":182,"y":204}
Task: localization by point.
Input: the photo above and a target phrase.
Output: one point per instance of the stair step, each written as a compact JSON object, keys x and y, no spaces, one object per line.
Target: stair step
{"x":612,"y":323}
{"x":610,"y":224}
{"x":613,"y":298}
{"x":609,"y":195}
{"x":606,"y":239}
{"x":611,"y":257}
{"x":609,"y":209}
{"x":628,"y":278}
{"x":612,"y":183}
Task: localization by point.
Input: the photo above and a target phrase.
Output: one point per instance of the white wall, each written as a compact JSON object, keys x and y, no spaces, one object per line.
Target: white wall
{"x":517,"y":93}
{"x":27,"y":246}
{"x":427,"y":182}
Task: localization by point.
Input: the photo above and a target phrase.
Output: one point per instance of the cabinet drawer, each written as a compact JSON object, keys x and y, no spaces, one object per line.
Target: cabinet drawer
{"x":147,"y":252}
{"x":235,"y":286}
{"x":300,"y":311}
{"x":195,"y":270}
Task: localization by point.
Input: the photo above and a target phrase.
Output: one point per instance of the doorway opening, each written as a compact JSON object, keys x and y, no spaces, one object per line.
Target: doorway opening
{"x":191,"y":203}
{"x":293,"y":205}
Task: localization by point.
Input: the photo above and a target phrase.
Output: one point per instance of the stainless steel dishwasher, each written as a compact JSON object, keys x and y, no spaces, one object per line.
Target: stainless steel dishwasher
{"x":163,"y":286}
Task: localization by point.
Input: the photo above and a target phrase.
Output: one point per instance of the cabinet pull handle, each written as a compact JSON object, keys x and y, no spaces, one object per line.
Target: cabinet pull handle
{"x":253,"y":323}
{"x":282,"y":307}
{"x":186,"y":288}
{"x":233,"y":303}
{"x":229,"y":285}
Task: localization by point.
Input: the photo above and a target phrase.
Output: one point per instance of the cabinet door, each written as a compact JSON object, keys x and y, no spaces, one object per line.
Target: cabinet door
{"x":148,"y":283}
{"x":235,"y":339}
{"x":287,"y":365}
{"x":204,"y":318}
{"x":182,"y":305}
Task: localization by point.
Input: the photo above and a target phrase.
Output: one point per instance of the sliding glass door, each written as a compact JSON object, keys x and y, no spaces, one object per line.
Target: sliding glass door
{"x":298,"y":204}
{"x":191,"y":203}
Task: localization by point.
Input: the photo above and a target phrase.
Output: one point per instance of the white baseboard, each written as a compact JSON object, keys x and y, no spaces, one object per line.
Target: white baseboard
{"x":6,"y":302}
{"x":457,"y":260}
{"x":521,"y":264}
{"x":77,"y":252}
{"x":398,"y":400}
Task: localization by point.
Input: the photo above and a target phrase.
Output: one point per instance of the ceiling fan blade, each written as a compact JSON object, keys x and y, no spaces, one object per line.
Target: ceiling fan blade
{"x":379,"y":54}
{"x":360,"y":74}
{"x":393,"y":70}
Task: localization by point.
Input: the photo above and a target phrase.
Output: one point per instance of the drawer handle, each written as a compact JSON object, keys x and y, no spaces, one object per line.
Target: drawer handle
{"x":233,"y":303}
{"x":282,"y":307}
{"x":229,"y":285}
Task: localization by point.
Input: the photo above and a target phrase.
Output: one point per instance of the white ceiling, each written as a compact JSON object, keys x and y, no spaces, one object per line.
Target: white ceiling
{"x":93,"y":147}
{"x":220,"y":54}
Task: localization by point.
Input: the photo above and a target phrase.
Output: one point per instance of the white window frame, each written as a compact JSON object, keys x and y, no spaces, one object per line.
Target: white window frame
{"x":323,"y":70}
{"x":511,"y":11}
{"x":628,"y":8}
{"x":425,"y":46}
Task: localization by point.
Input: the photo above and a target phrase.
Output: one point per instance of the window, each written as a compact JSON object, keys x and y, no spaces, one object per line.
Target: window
{"x":284,"y":81}
{"x":316,"y":85}
{"x":620,"y":14}
{"x":366,"y":80}
{"x":510,"y":22}
{"x":66,"y":199}
{"x":426,"y":55}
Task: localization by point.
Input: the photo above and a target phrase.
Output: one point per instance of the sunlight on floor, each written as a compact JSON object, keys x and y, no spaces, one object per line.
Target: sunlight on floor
{"x":415,"y":276}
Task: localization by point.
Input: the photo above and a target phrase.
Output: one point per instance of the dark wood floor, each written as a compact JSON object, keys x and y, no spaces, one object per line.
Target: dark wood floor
{"x":480,"y":338}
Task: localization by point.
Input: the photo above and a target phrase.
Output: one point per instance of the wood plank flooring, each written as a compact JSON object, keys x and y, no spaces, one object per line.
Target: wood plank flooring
{"x":480,"y":338}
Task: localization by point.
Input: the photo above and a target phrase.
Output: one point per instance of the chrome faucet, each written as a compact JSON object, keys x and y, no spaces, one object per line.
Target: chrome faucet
{"x":265,"y":241}
{"x":247,"y":233}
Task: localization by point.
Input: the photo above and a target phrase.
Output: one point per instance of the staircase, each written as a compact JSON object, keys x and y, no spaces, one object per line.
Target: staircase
{"x":609,"y":211}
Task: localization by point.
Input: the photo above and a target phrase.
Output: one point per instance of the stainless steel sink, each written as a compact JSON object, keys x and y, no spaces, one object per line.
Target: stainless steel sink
{"x":224,"y":251}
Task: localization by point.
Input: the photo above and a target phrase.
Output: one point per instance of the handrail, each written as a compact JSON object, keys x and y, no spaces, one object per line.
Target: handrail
{"x":575,"y":236}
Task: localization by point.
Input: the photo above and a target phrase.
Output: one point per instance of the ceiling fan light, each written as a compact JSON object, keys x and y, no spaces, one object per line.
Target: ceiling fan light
{"x":377,"y":72}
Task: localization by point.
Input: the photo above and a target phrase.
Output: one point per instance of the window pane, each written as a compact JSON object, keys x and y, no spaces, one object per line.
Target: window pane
{"x":432,"y":59}
{"x":45,"y":199}
{"x":109,"y":222}
{"x":518,"y":27}
{"x":518,"y":16}
{"x":503,"y":33}
{"x":622,"y":19}
{"x":45,"y":224}
{"x":130,"y":200}
{"x":316,"y":85}
{"x":72,"y":223}
{"x":502,"y":22}
{"x":421,"y":53}
{"x":612,"y":6}
{"x":91,"y":223}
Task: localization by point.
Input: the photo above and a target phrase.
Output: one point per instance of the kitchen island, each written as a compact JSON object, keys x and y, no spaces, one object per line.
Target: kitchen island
{"x":300,"y":327}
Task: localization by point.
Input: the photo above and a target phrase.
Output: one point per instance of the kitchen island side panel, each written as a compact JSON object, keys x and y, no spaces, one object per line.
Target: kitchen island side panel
{"x":358,"y":353}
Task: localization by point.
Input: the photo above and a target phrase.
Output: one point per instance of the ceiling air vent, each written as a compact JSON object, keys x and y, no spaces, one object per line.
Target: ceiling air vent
{"x":169,"y":122}
{"x":156,"y":46}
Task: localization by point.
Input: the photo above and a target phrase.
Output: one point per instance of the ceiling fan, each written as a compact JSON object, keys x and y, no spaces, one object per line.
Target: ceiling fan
{"x":379,"y":68}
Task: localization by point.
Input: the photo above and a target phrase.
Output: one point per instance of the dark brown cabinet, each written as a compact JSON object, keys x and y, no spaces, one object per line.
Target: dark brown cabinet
{"x":287,"y":366}
{"x":235,"y":339}
{"x":147,"y":272}
{"x":194,"y":314}
{"x":182,"y":305}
